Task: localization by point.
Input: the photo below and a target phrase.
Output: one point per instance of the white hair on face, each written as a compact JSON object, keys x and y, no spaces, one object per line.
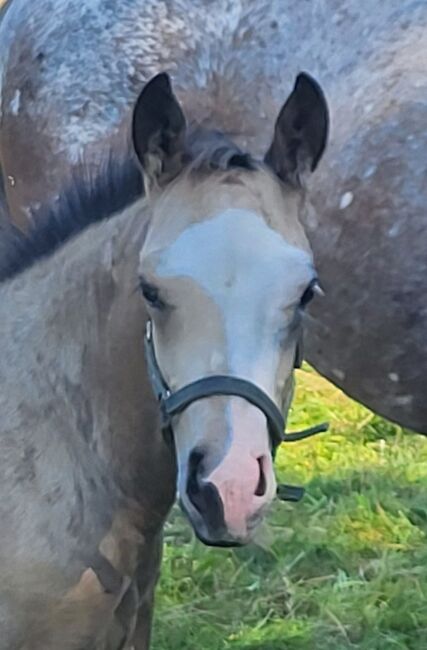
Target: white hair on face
{"x":251,"y":274}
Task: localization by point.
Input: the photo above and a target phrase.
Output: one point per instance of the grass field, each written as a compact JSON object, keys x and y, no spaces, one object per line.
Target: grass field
{"x":345,"y":568}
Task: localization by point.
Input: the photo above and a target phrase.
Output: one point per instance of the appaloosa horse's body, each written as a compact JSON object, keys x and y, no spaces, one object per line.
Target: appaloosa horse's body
{"x":87,"y":473}
{"x":68,"y":77}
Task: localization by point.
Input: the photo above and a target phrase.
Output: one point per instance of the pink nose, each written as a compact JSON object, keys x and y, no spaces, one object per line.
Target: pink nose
{"x":245,"y":487}
{"x":231,"y":499}
{"x":227,"y":496}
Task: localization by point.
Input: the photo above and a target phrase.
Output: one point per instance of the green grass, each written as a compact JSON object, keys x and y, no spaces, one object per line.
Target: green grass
{"x":344,"y":568}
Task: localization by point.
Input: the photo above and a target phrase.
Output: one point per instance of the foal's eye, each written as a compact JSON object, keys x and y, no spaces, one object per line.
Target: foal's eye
{"x":308,"y":294}
{"x":151,"y":295}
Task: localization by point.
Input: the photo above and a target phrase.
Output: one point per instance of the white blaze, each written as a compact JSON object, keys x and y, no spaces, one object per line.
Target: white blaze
{"x":252,"y":275}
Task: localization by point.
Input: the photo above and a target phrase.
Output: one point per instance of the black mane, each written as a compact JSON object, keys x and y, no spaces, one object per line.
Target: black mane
{"x":89,"y":198}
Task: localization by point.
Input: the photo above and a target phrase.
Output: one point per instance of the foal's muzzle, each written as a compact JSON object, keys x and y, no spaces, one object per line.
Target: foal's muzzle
{"x":173,"y":403}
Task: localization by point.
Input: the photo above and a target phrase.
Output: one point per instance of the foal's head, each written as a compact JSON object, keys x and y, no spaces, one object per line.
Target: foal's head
{"x":226,"y":272}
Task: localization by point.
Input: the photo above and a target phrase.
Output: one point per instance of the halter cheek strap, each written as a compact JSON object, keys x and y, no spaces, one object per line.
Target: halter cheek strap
{"x":173,"y":403}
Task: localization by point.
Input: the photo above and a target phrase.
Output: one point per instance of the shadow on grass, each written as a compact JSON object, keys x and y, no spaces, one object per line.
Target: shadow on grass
{"x":351,"y":554}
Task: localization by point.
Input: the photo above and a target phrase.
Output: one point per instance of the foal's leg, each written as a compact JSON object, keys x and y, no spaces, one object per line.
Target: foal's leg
{"x":142,"y":635}
{"x":147,"y":580}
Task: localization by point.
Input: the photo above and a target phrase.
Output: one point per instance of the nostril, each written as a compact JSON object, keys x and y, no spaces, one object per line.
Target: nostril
{"x":195,"y":465}
{"x":262,"y":483}
{"x":195,"y":469}
{"x":204,"y":496}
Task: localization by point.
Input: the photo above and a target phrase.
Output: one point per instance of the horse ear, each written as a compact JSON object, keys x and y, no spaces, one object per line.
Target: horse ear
{"x":158,"y":130}
{"x":300,"y":133}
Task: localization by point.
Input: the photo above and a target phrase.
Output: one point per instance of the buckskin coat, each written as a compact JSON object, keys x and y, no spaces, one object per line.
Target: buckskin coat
{"x":68,"y":77}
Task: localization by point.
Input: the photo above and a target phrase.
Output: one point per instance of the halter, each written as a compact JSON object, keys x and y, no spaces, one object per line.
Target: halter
{"x":173,"y":403}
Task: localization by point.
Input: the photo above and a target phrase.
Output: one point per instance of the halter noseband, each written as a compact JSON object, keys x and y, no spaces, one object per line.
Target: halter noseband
{"x":173,"y":403}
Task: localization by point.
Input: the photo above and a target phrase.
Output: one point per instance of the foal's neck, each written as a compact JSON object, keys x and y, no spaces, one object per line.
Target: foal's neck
{"x":85,"y":347}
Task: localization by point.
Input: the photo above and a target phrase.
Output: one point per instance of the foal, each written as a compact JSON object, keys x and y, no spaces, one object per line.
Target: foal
{"x":87,"y":474}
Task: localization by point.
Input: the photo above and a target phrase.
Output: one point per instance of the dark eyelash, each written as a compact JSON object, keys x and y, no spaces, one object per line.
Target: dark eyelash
{"x":308,"y":294}
{"x":151,"y":295}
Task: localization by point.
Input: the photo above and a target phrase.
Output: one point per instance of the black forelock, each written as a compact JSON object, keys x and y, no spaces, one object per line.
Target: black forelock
{"x":212,"y":150}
